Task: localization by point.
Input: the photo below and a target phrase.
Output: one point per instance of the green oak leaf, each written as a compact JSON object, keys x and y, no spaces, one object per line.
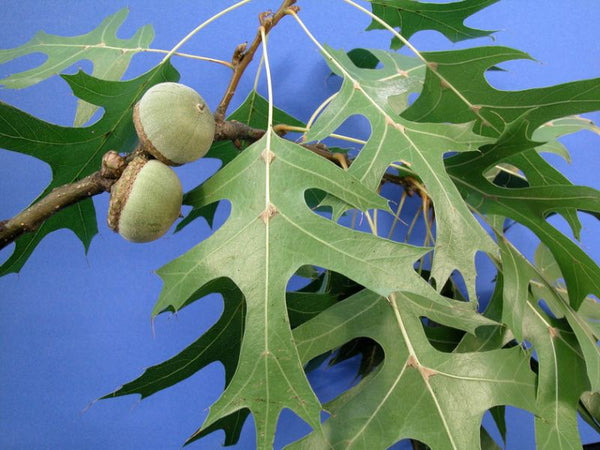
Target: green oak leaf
{"x":590,"y":311}
{"x":278,"y":234}
{"x":547,"y":265}
{"x":374,"y":94}
{"x":564,"y":370}
{"x":498,"y":413}
{"x":487,"y":441}
{"x":414,"y":392}
{"x":539,"y":172}
{"x":457,"y":90}
{"x":489,"y":337}
{"x":109,"y":55}
{"x":390,"y":85}
{"x":441,"y":337}
{"x":74,"y":153}
{"x":511,"y":172}
{"x":301,"y":305}
{"x":363,"y":58}
{"x":231,"y":425}
{"x":411,"y":16}
{"x":567,"y":363}
{"x":548,"y":193}
{"x":562,"y":375}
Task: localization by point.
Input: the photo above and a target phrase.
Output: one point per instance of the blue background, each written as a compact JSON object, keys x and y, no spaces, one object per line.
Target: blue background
{"x":74,"y":326}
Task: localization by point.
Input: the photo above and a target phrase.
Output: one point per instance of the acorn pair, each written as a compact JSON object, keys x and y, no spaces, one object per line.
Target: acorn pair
{"x":175,"y":126}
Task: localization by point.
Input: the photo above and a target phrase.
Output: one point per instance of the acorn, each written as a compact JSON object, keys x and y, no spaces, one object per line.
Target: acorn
{"x":145,"y":200}
{"x":174,"y":123}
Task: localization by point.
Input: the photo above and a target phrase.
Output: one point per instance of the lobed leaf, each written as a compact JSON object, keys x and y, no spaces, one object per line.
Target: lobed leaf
{"x":456,"y":89}
{"x":222,"y":343}
{"x":412,"y":16}
{"x":374,"y":94}
{"x":530,"y":206}
{"x":567,"y":364}
{"x":415,"y":392}
{"x":109,"y":55}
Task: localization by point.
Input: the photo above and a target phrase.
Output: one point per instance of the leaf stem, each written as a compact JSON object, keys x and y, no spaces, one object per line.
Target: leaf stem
{"x":390,"y":120}
{"x":412,"y":226}
{"x":189,"y":55}
{"x":403,"y":165}
{"x":258,"y":72}
{"x":265,"y":57}
{"x":397,"y":215}
{"x":372,"y":223}
{"x":140,"y":50}
{"x":284,"y":127}
{"x":320,"y":108}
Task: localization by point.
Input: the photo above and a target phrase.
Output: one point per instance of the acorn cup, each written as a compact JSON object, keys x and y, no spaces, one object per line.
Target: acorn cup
{"x":174,"y":123}
{"x":145,"y":201}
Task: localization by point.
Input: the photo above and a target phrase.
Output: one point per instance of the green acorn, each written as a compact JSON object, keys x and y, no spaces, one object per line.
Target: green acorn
{"x":174,"y":123}
{"x":145,"y":200}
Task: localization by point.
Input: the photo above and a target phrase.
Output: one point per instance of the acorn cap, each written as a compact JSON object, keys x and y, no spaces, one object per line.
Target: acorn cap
{"x":145,"y":201}
{"x":174,"y":123}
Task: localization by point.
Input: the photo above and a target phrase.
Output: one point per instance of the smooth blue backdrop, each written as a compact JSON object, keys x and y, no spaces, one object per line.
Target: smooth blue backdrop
{"x":75,"y":326}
